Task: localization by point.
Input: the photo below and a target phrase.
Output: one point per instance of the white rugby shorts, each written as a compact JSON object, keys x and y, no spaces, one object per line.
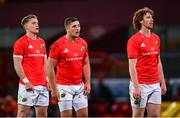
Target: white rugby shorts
{"x":150,"y":93}
{"x":38,"y":97}
{"x":72,"y":96}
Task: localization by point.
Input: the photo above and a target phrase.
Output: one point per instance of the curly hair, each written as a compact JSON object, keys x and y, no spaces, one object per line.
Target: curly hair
{"x":138,"y":17}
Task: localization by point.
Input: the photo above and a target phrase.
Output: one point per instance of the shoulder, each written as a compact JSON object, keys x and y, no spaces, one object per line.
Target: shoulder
{"x":58,"y":43}
{"x":41,"y":39}
{"x":135,"y":38}
{"x":155,"y":36}
{"x":83,"y":41}
{"x":21,"y":41}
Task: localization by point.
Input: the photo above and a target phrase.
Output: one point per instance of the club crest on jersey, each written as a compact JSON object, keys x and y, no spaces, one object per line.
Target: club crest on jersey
{"x":42,"y":46}
{"x":157,"y":43}
{"x":82,"y":48}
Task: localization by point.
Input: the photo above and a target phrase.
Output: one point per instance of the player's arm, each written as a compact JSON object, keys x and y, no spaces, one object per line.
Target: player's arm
{"x":133,"y":75}
{"x":20,"y":71}
{"x":87,"y":74}
{"x":51,"y":64}
{"x":18,"y":67}
{"x":161,"y":77}
{"x":45,"y":67}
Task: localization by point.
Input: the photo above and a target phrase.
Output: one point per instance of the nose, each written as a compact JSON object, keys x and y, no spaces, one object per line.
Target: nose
{"x":152,"y":19}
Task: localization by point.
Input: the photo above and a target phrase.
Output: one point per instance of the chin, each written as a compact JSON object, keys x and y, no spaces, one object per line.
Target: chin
{"x":36,"y":32}
{"x":150,"y":28}
{"x":75,"y":36}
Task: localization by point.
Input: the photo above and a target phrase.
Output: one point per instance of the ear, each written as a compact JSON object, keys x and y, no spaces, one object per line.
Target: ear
{"x":66,"y":28}
{"x":141,"y":21}
{"x":25,"y":26}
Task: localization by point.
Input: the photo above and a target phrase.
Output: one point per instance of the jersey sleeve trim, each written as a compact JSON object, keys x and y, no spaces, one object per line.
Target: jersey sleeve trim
{"x":19,"y":56}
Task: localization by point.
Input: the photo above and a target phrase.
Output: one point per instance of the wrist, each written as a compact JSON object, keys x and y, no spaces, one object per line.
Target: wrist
{"x":25,"y":80}
{"x":136,"y":86}
{"x":87,"y":82}
{"x":47,"y":79}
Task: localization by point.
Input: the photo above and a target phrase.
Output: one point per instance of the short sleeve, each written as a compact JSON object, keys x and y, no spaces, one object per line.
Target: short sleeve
{"x":19,"y":48}
{"x":132,"y":48}
{"x":86,"y":51}
{"x":54,"y":51}
{"x":158,"y":43}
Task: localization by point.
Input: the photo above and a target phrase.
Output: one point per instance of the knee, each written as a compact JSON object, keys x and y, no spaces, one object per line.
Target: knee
{"x":83,"y":115}
{"x":154,"y":115}
{"x":138,"y":114}
{"x":41,"y":114}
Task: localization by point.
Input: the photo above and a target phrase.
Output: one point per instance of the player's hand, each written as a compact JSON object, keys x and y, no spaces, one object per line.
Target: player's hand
{"x":87,"y":89}
{"x":55,"y":95}
{"x":29,"y":86}
{"x":163,"y":89}
{"x":49,"y":87}
{"x":137,"y":93}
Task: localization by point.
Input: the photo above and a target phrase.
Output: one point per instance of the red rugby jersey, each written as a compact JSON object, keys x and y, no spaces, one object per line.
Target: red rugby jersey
{"x":33,"y":53}
{"x":70,"y":60}
{"x":146,"y":51}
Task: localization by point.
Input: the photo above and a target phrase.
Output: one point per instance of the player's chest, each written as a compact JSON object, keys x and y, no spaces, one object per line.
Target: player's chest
{"x":35,"y":48}
{"x":73,"y":50}
{"x":149,"y":46}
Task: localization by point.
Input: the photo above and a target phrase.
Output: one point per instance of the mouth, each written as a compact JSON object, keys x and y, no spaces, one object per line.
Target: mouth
{"x":77,"y":33}
{"x":151,"y":23}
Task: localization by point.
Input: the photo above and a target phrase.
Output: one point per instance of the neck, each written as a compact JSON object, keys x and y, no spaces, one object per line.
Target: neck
{"x":31,"y":35}
{"x":70,"y":38}
{"x":145,"y":31}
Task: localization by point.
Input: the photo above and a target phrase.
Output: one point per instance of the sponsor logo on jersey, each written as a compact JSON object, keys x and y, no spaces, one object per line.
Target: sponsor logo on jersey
{"x":36,"y":55}
{"x":150,"y":53}
{"x":30,"y":46}
{"x":66,"y":50}
{"x":74,"y":59}
{"x":143,"y":45}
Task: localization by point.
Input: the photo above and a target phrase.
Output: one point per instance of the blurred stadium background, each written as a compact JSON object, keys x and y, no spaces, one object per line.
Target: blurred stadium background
{"x":106,"y":26}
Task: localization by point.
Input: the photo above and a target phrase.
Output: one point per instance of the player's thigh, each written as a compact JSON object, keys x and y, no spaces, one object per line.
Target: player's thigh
{"x":66,"y":97}
{"x":41,"y":111}
{"x":80,"y":101}
{"x":153,"y":110}
{"x":65,"y":105}
{"x":42,"y":99}
{"x":23,"y":110}
{"x":25,"y":97}
{"x":144,"y":96}
{"x":66,"y":113}
{"x":82,"y":112}
{"x":155,"y":96}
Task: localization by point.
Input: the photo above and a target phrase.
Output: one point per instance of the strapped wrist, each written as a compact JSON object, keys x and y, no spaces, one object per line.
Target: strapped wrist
{"x":47,"y":79}
{"x":25,"y":80}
